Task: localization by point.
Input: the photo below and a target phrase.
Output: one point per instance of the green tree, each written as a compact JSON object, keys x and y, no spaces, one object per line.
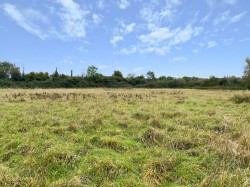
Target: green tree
{"x":151,"y":75}
{"x":15,"y":74}
{"x":55,"y":74}
{"x":117,"y":74}
{"x":91,"y":71}
{"x":247,"y":73}
{"x":9,"y":71}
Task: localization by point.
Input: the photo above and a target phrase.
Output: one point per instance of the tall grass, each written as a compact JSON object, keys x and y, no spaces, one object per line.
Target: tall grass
{"x":124,"y":137}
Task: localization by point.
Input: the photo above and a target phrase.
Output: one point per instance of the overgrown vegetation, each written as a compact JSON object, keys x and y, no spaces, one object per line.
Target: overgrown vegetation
{"x":11,"y":77}
{"x":241,"y":98}
{"x":125,"y":137}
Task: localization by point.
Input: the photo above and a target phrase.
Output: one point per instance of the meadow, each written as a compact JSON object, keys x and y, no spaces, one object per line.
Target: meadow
{"x":124,"y":137}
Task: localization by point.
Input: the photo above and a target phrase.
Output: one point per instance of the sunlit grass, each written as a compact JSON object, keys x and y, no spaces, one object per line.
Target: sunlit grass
{"x":124,"y":137}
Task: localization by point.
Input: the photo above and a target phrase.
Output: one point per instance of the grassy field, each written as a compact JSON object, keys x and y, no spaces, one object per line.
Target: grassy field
{"x":124,"y":137}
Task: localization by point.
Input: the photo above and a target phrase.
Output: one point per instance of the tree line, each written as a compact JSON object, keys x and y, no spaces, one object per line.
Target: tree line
{"x":12,"y":77}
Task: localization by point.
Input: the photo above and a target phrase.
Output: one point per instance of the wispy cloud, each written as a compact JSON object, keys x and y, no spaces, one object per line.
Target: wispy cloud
{"x":133,"y":49}
{"x":237,"y":17}
{"x":223,"y":17}
{"x":226,"y":17}
{"x":158,"y":35}
{"x":186,"y":34}
{"x":101,"y":4}
{"x":123,"y":4}
{"x":116,"y":39}
{"x":121,"y":30}
{"x":211,"y":44}
{"x":211,"y":3}
{"x":155,"y":12}
{"x":97,"y":18}
{"x":125,"y":28}
{"x":26,"y":19}
{"x":161,"y":40}
{"x":179,"y":59}
{"x":206,"y":18}
{"x":130,"y":27}
{"x":73,"y":18}
{"x":230,"y":2}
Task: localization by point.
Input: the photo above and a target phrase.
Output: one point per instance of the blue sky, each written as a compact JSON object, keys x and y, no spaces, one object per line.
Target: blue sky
{"x":170,"y":37}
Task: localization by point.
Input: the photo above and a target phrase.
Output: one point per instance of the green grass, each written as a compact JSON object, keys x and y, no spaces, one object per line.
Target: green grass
{"x":124,"y":137}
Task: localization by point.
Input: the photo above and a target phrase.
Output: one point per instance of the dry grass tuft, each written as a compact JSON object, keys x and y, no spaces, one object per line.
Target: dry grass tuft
{"x":157,"y":171}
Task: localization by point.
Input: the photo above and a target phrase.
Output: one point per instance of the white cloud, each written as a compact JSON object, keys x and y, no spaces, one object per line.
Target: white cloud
{"x":223,"y":17}
{"x":156,"y":13}
{"x":179,"y":59}
{"x":161,"y":40}
{"x":124,"y":28}
{"x":230,"y":2}
{"x":116,"y":39}
{"x":211,"y":3}
{"x":123,"y":4}
{"x":72,"y":15}
{"x":126,"y":51}
{"x":237,"y":17}
{"x":96,"y":18}
{"x":130,"y":27}
{"x":159,"y":50}
{"x":26,"y":19}
{"x":226,"y":17}
{"x":206,"y":18}
{"x":211,"y":44}
{"x":157,"y":35}
{"x":73,"y":18}
{"x":101,"y":4}
{"x":186,"y":34}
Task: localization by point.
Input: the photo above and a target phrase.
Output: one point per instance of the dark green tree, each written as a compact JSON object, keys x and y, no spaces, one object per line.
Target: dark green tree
{"x":9,"y":71}
{"x":151,"y":75}
{"x":55,"y":74}
{"x":117,"y":74}
{"x":91,"y":71}
{"x":15,"y":74}
{"x":246,"y":76}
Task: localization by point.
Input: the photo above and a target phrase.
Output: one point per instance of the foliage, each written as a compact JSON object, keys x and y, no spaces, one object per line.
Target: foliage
{"x":91,"y":71}
{"x":9,"y":71}
{"x":151,"y":75}
{"x":55,"y":74}
{"x":117,"y":74}
{"x":10,"y":76}
{"x":247,"y":73}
